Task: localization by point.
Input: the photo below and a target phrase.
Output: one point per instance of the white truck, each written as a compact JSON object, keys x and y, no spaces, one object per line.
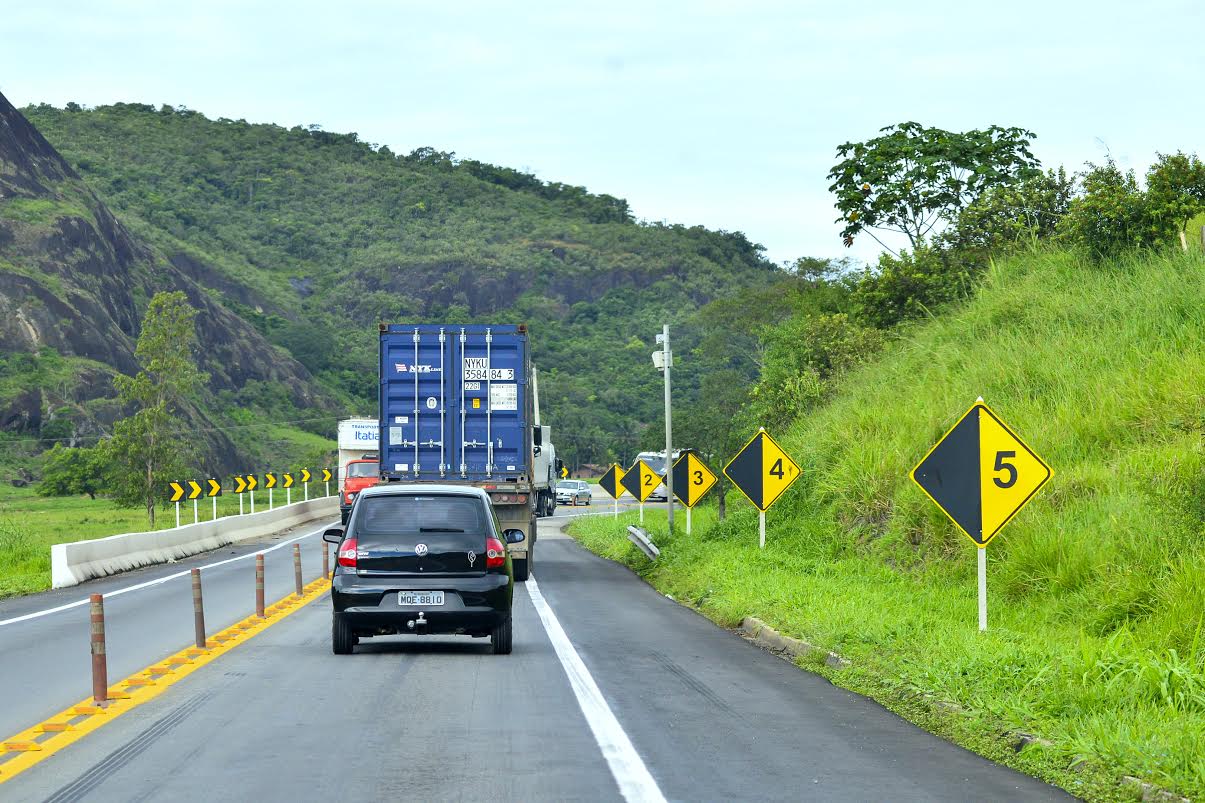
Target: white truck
{"x":358,"y":440}
{"x":545,"y":465}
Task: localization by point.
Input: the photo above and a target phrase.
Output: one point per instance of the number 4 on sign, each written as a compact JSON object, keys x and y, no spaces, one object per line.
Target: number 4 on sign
{"x":981,"y":474}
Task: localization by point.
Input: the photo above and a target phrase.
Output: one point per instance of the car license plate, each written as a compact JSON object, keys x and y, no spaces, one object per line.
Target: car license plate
{"x":420,"y":598}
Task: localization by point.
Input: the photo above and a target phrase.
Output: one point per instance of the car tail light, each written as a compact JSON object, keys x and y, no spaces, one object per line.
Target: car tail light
{"x":347,"y":553}
{"x":495,"y":554}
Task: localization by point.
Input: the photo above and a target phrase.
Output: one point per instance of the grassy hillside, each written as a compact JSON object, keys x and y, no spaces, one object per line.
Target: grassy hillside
{"x":1097,"y":589}
{"x":314,"y":237}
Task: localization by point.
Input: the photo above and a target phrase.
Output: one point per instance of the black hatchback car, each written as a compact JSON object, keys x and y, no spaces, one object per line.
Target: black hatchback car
{"x":422,"y":559}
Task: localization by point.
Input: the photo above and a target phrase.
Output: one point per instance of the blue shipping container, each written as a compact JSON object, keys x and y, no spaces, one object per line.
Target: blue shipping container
{"x":454,"y":403}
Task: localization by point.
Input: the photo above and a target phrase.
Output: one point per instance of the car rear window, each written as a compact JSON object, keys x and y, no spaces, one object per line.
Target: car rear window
{"x":382,"y":516}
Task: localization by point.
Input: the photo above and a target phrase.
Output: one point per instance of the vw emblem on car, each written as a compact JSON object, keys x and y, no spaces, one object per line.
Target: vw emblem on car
{"x":472,"y":556}
{"x":420,"y":550}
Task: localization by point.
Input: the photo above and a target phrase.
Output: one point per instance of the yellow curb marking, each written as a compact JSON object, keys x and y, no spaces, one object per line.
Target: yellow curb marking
{"x":32,"y":745}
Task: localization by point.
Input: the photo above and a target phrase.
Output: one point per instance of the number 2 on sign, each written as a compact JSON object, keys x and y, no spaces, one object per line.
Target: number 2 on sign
{"x":648,"y":479}
{"x":1006,"y":467}
{"x":776,"y":469}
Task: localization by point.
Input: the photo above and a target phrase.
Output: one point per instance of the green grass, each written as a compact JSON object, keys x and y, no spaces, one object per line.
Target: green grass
{"x":1097,"y":589}
{"x":29,"y":524}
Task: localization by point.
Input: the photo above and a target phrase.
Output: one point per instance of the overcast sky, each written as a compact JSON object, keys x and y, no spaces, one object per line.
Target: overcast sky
{"x":724,"y":114}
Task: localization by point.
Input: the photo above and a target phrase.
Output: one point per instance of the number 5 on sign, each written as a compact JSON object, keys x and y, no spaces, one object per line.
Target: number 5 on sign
{"x":981,"y":474}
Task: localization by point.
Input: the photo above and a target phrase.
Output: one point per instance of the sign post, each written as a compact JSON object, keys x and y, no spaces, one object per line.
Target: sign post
{"x":664,"y":360}
{"x":288,"y":483}
{"x":612,"y":483}
{"x":640,"y":481}
{"x":692,"y":480}
{"x":240,"y":486}
{"x":269,"y":483}
{"x":980,"y":473}
{"x":305,"y":481}
{"x":215,"y":490}
{"x":326,"y":478}
{"x":177,"y":495}
{"x":762,"y":471}
{"x":252,"y":484}
{"x":194,"y":493}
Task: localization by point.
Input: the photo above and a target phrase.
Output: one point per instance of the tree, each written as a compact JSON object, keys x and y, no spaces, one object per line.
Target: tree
{"x":144,"y":447}
{"x":72,"y":471}
{"x":1004,"y":216}
{"x":912,"y":178}
{"x":1175,"y":190}
{"x":1111,"y":215}
{"x":712,"y":424}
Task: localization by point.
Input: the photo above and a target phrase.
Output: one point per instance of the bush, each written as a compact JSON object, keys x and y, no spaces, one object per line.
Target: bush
{"x":911,"y":285}
{"x":1111,"y":216}
{"x":802,"y":356}
{"x":1017,"y":214}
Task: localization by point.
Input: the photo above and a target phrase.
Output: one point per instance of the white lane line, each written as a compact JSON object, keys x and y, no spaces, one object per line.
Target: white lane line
{"x":634,"y":779}
{"x":149,"y":583}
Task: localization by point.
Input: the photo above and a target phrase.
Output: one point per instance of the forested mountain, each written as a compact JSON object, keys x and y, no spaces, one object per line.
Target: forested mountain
{"x":306,"y":239}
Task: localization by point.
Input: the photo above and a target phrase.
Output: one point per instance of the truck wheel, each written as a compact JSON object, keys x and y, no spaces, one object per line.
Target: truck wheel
{"x":343,"y":640}
{"x":500,"y":638}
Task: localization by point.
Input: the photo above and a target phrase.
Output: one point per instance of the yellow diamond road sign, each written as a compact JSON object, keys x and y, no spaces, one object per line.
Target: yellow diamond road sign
{"x":762,"y":471}
{"x":692,"y":479}
{"x":981,"y":474}
{"x":177,"y":491}
{"x":640,"y":480}
{"x":612,"y":482}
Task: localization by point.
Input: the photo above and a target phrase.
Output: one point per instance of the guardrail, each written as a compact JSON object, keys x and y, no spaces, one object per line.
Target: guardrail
{"x":76,"y":562}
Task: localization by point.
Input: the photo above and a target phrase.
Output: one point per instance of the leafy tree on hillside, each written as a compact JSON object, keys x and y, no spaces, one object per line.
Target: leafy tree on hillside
{"x":1175,"y":189}
{"x":70,"y":471}
{"x":912,"y":178}
{"x":1013,"y":214}
{"x":146,"y":448}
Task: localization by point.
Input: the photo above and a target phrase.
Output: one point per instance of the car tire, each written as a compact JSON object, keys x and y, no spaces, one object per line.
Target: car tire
{"x":500,"y":638}
{"x":343,"y":640}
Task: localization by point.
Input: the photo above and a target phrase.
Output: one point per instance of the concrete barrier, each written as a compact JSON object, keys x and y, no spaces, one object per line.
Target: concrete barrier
{"x":71,"y":564}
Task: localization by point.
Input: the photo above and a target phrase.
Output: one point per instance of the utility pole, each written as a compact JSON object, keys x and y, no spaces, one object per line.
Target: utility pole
{"x":666,"y":361}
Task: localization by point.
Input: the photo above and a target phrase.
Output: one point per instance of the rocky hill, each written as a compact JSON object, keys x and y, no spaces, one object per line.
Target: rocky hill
{"x":73,"y":284}
{"x":305,"y":239}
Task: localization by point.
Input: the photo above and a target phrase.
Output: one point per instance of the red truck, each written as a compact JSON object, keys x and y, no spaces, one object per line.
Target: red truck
{"x":357,"y":475}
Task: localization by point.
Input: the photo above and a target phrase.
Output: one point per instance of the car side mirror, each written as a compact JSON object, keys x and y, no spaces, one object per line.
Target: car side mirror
{"x":334,"y":535}
{"x":514,"y":536}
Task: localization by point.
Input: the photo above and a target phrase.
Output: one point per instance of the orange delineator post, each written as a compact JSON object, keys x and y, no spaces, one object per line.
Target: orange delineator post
{"x":100,"y":669}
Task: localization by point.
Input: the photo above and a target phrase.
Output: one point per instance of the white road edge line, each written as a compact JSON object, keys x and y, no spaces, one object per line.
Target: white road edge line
{"x":155,"y":582}
{"x":633,"y":777}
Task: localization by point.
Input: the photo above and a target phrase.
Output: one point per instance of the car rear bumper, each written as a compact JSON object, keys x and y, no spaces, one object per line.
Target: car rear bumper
{"x":471,"y":604}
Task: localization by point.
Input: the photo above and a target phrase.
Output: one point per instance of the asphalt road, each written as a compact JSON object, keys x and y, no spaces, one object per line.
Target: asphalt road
{"x":610,"y":687}
{"x":44,"y":659}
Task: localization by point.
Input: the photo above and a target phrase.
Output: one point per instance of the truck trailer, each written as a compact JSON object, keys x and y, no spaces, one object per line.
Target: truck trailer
{"x":456,"y":407}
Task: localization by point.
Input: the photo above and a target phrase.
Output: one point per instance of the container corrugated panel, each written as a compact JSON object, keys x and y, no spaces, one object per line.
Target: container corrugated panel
{"x":454,"y":403}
